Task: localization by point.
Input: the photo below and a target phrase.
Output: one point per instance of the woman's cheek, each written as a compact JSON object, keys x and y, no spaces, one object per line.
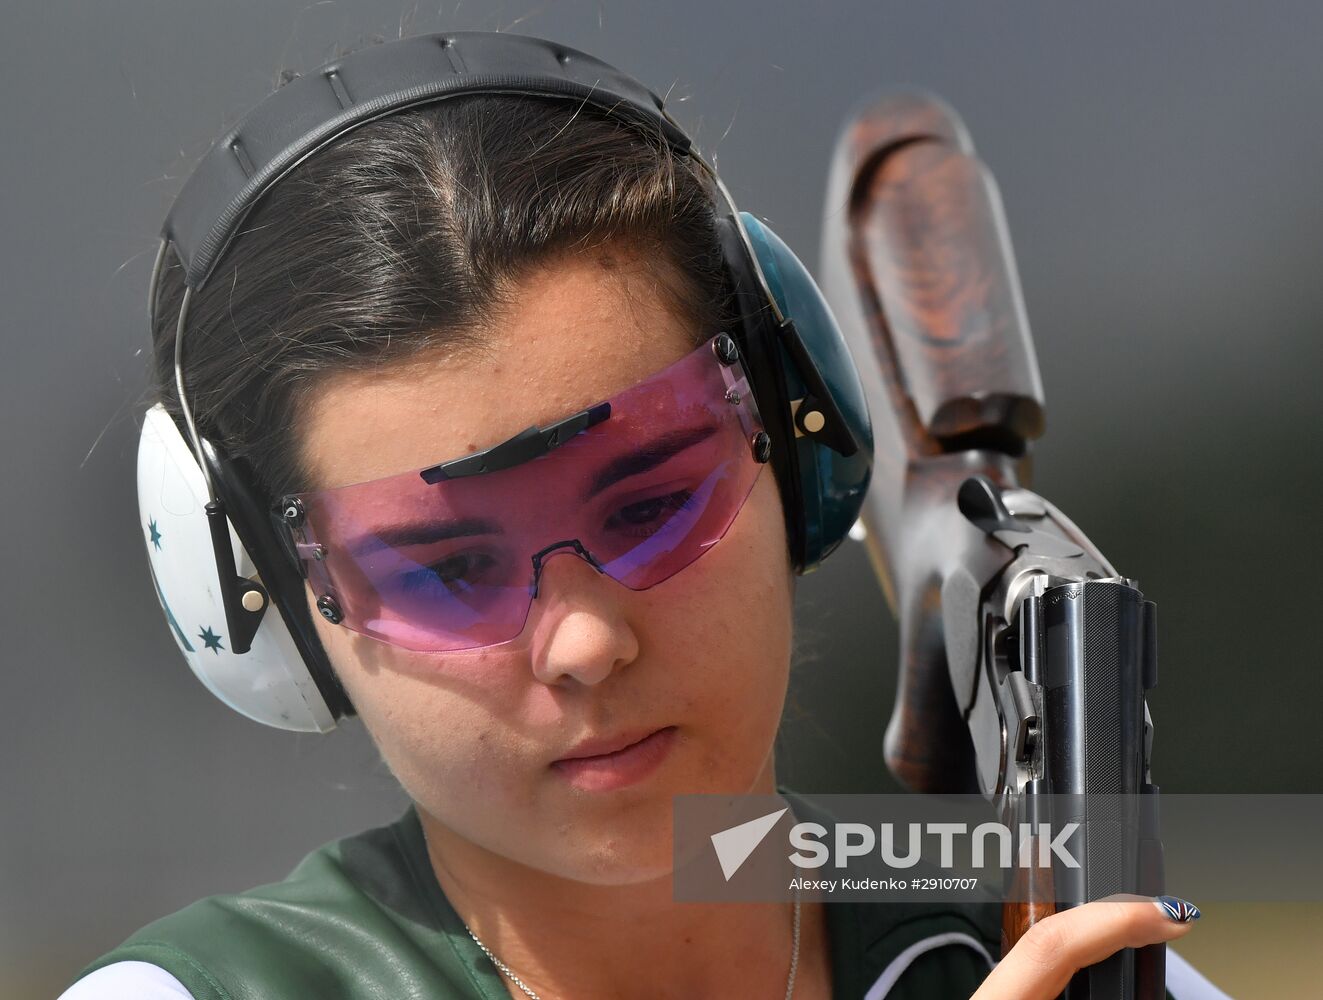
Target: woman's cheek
{"x":434,"y":719}
{"x":732,"y":670}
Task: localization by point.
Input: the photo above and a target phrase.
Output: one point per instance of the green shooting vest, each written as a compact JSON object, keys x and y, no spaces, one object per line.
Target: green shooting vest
{"x":363,"y":918}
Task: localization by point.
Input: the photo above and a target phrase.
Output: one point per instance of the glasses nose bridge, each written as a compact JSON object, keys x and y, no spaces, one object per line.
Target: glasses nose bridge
{"x":541,"y":557}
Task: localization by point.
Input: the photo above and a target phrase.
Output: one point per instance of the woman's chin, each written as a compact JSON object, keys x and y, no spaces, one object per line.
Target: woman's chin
{"x":624,"y":849}
{"x":618,"y":860}
{"x":625,"y":843}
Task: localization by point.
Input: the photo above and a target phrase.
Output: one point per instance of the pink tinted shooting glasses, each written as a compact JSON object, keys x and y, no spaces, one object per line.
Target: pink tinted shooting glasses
{"x":449,"y":557}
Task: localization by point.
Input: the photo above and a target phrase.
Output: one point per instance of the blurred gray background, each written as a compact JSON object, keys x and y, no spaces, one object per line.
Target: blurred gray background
{"x":1160,"y":167}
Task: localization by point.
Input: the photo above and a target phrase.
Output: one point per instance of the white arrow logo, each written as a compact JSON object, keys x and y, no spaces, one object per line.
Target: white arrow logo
{"x":734,"y":846}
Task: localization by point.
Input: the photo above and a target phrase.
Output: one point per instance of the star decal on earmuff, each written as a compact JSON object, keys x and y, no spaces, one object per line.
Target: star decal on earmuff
{"x":211,"y":640}
{"x":154,"y":534}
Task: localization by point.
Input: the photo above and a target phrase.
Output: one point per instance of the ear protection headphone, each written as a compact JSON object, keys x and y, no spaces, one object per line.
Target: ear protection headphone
{"x":217,"y":560}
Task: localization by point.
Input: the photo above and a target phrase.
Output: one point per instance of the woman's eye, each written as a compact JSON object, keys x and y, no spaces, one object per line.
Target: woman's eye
{"x":651,"y":513}
{"x":463,"y":570}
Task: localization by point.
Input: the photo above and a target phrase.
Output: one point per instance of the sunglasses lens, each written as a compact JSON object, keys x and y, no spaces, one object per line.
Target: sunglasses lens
{"x":452,"y":564}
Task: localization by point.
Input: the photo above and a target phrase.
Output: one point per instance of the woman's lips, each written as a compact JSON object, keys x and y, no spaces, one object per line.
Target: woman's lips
{"x":603,"y":772}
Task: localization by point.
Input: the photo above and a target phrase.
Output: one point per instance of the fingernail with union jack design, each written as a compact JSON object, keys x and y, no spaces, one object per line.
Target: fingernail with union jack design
{"x":1177,"y":909}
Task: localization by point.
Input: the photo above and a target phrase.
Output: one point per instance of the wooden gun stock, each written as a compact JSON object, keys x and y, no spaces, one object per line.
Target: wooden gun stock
{"x":917,"y":268}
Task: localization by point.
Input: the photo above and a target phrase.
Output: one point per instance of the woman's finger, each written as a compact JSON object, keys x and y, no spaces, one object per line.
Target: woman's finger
{"x":1052,"y":950}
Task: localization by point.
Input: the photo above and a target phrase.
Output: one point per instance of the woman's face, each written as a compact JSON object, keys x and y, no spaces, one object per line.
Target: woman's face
{"x":472,"y":736}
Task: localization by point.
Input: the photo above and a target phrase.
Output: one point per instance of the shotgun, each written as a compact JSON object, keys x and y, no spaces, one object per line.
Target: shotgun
{"x":1024,"y":656}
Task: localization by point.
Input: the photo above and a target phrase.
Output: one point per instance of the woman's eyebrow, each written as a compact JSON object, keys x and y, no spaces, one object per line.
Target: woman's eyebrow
{"x":642,"y":459}
{"x":422,"y":533}
{"x":649,"y":456}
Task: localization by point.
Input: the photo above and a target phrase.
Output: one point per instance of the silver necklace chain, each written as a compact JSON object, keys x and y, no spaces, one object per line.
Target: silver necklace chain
{"x":790,"y":981}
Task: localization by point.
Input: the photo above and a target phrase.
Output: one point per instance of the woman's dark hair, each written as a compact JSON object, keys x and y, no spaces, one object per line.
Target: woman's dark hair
{"x":408,"y":233}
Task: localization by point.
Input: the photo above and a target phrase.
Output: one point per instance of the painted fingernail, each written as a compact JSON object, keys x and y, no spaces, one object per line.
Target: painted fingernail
{"x":1177,"y":909}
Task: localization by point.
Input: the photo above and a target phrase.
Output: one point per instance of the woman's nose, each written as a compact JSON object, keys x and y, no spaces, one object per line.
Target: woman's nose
{"x":580,"y":630}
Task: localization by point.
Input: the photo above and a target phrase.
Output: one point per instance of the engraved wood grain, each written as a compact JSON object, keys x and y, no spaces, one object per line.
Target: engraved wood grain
{"x":939,"y":258}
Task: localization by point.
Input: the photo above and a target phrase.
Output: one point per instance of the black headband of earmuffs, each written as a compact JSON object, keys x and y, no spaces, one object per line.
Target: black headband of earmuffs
{"x":315,"y":109}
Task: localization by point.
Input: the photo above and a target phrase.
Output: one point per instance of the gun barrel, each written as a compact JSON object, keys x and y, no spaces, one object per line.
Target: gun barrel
{"x":1090,"y":644}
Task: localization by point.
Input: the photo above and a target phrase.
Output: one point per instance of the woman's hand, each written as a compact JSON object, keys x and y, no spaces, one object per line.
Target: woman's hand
{"x":1041,"y":963}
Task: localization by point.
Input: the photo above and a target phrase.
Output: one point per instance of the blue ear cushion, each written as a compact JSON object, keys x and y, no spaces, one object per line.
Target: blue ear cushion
{"x":833,"y":485}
